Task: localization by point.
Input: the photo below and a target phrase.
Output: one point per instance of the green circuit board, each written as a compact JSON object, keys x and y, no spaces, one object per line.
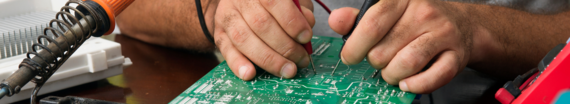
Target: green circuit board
{"x":352,"y":84}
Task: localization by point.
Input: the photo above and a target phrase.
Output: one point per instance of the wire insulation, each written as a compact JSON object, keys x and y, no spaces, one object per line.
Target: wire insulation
{"x":203,"y":22}
{"x":324,"y":6}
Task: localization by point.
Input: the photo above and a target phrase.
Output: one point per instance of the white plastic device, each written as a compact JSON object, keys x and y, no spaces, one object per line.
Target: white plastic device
{"x":21,"y":21}
{"x":96,"y":59}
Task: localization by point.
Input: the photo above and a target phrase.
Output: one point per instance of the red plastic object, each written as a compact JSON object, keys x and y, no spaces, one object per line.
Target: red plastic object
{"x":504,"y":96}
{"x":525,"y":84}
{"x":324,"y":6}
{"x":554,"y":79}
{"x":308,"y":47}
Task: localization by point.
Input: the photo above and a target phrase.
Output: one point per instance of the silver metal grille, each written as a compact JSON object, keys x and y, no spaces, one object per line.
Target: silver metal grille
{"x":18,"y":33}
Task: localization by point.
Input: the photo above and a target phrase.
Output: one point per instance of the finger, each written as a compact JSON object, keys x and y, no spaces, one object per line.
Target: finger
{"x":238,"y":63}
{"x":307,"y":7}
{"x":245,"y":40}
{"x":269,"y":31}
{"x":401,"y":35}
{"x":307,"y":4}
{"x":309,"y":16}
{"x":371,"y":29}
{"x":440,"y":73}
{"x":341,"y":20}
{"x":415,"y":21}
{"x":385,"y":50}
{"x":413,"y":57}
{"x":290,"y":19}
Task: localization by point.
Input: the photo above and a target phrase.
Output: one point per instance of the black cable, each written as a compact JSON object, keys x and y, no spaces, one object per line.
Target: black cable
{"x":430,"y":98}
{"x":203,"y":22}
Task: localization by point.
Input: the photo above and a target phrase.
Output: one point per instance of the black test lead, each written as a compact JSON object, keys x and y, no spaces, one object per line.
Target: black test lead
{"x":367,"y":4}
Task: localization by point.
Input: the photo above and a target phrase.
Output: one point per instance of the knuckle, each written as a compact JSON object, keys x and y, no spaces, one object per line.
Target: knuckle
{"x":228,"y":20}
{"x":423,"y":50}
{"x":239,"y":36}
{"x":219,"y":42}
{"x":291,"y":21}
{"x":427,"y":47}
{"x":287,"y":50}
{"x":371,"y":24}
{"x":269,"y":4}
{"x":267,"y":59}
{"x":449,"y":28}
{"x":427,"y":13}
{"x":408,"y":61}
{"x":387,"y":6}
{"x":376,"y":59}
{"x":261,"y":21}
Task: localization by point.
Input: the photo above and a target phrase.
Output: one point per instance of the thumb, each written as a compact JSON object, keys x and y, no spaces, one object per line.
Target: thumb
{"x":342,"y":19}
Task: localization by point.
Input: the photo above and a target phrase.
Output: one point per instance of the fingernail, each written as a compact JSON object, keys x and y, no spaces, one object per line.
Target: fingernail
{"x":343,"y":60}
{"x":242,"y":71}
{"x":304,"y":36}
{"x":288,"y":70}
{"x":356,"y":12}
{"x":404,"y":86}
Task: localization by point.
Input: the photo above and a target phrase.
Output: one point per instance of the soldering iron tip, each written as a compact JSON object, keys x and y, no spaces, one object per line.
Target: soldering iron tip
{"x":3,"y":91}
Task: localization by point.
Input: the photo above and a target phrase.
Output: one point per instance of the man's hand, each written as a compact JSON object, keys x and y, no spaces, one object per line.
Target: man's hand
{"x":402,"y":36}
{"x":268,"y":33}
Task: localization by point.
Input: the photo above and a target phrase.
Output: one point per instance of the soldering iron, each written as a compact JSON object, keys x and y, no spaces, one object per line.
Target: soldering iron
{"x":91,"y":18}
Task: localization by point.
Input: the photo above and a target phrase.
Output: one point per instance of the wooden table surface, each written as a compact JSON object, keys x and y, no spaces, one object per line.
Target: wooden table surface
{"x":157,"y":75}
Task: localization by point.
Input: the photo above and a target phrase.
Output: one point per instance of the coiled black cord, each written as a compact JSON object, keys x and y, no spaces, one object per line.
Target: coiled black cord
{"x":58,"y":55}
{"x":49,"y":53}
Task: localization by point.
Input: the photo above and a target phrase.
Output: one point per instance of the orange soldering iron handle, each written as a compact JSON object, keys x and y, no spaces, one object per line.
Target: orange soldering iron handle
{"x":113,"y":8}
{"x":119,"y":5}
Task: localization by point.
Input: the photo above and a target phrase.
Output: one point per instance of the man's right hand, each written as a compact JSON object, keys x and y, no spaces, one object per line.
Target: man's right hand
{"x":268,"y":33}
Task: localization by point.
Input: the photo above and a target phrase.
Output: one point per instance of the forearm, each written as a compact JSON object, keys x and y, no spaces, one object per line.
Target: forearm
{"x":509,"y":42}
{"x":171,"y":23}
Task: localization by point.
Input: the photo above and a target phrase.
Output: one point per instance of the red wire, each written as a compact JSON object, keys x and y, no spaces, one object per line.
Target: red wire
{"x":308,"y":47}
{"x":324,"y":6}
{"x":298,"y":5}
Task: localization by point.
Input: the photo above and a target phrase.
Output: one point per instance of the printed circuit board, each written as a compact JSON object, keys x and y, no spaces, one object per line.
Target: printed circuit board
{"x":352,"y":84}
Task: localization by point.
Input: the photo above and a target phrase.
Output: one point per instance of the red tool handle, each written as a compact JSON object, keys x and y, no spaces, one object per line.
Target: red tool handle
{"x":308,"y":47}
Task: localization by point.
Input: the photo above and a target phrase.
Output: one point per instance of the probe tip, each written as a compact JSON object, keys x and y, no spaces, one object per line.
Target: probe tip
{"x":312,"y":64}
{"x":335,"y":67}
